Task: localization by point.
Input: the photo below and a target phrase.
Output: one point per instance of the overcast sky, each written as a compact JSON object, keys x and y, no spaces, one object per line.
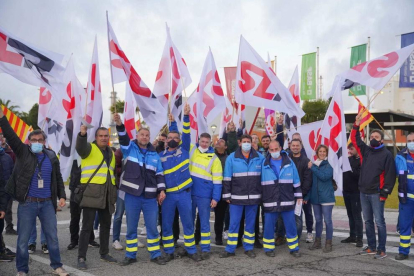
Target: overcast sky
{"x":287,"y":29}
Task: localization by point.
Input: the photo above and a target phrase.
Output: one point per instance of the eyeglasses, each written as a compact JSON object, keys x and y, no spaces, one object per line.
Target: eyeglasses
{"x":37,"y":140}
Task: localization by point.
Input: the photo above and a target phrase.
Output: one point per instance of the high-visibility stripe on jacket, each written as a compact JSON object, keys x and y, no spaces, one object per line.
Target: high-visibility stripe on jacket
{"x":206,"y":172}
{"x":91,"y":163}
{"x":404,"y":164}
{"x":176,"y":164}
{"x":280,"y":191}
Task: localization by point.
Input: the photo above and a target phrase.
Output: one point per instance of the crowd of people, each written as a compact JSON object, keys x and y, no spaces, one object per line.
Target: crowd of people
{"x":172,"y":180}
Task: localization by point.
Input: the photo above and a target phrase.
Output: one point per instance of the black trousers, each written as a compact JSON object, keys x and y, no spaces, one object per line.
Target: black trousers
{"x":354,"y":209}
{"x":75,"y":215}
{"x":220,"y":213}
{"x":2,"y":246}
{"x":9,"y":215}
{"x":87,"y":228}
{"x":176,"y":223}
{"x":307,"y":210}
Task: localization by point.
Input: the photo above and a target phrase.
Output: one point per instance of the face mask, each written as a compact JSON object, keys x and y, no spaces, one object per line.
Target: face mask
{"x":161,"y":144}
{"x":202,"y":150}
{"x":172,"y":144}
{"x":246,"y":146}
{"x":275,"y":155}
{"x":410,"y":146}
{"x":374,"y":143}
{"x":36,"y":147}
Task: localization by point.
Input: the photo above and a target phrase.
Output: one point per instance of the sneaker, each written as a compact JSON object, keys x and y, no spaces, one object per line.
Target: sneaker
{"x":367,"y":251}
{"x":10,"y":253}
{"x":380,"y":255}
{"x":11,"y":231}
{"x":219,"y":242}
{"x":108,"y":258}
{"x":5,"y":258}
{"x":144,"y":231}
{"x":44,"y":249}
{"x":60,"y":271}
{"x":140,"y":245}
{"x":117,"y":245}
{"x":400,"y":257}
{"x":226,"y":254}
{"x":349,"y":240}
{"x":21,"y":273}
{"x":32,"y":248}
{"x":94,"y":244}
{"x":81,"y":264}
{"x":127,"y":261}
{"x":359,"y":243}
{"x":309,"y":238}
{"x":225,"y":235}
{"x":96,"y":233}
{"x":159,"y":261}
{"x":72,"y":246}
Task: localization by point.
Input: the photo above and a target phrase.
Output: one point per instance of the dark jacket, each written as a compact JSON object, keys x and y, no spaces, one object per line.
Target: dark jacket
{"x":24,"y":168}
{"x":222,"y":158}
{"x":6,"y":168}
{"x":350,"y":178}
{"x":305,"y":174}
{"x":75,"y":176}
{"x":83,"y":148}
{"x":378,"y":169}
{"x":118,"y":165}
{"x":231,"y":139}
{"x":322,"y":187}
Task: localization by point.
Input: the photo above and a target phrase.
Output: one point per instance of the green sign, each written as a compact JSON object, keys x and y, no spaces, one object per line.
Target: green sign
{"x":308,"y":77}
{"x":358,"y":56}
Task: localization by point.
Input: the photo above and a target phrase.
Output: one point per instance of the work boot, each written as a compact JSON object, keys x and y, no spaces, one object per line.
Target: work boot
{"x":159,"y":261}
{"x":280,"y":240}
{"x":169,"y":257}
{"x":359,"y":242}
{"x":195,"y":257}
{"x":270,"y":253}
{"x":127,"y":261}
{"x":250,"y":253}
{"x":328,"y":246}
{"x":316,"y":244}
{"x":401,"y":257}
{"x":296,"y":254}
{"x":258,"y":244}
{"x":226,"y":254}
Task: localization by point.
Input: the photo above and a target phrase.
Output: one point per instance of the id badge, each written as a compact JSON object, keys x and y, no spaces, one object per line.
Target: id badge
{"x":40,"y":183}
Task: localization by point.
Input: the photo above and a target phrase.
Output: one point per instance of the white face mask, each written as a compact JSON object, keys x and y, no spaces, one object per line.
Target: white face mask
{"x":202,"y":150}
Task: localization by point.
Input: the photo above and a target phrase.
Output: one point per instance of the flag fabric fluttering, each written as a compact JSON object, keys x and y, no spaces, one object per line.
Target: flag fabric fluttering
{"x":269,"y":113}
{"x":21,"y":128}
{"x":237,"y":110}
{"x":194,"y":119}
{"x":122,"y":70}
{"x":129,"y":113}
{"x":309,"y":134}
{"x":94,"y":110}
{"x":293,"y":122}
{"x":226,"y":117}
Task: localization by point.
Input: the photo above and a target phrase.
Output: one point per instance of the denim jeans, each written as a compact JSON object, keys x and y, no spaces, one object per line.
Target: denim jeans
{"x":26,"y":219}
{"x":280,"y":226}
{"x":353,"y":209}
{"x":323,"y":213}
{"x":372,"y":208}
{"x":33,"y":236}
{"x":119,"y":213}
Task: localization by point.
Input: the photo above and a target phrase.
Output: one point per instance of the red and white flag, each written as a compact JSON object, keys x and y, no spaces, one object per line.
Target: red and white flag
{"x":294,"y":86}
{"x":74,"y":117}
{"x":194,"y":119}
{"x":257,"y":85}
{"x":309,"y":134}
{"x":129,"y":113}
{"x":94,"y":111}
{"x":226,"y":117}
{"x":172,"y":77}
{"x":122,"y":70}
{"x":237,"y":110}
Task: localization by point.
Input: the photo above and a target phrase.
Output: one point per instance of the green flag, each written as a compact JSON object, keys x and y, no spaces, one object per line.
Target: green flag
{"x":358,"y":56}
{"x":308,"y":77}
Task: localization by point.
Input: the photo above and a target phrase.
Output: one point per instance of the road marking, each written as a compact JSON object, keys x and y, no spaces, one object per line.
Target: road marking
{"x":45,"y":261}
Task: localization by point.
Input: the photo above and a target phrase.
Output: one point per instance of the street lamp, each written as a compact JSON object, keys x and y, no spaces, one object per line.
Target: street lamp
{"x":213,"y":128}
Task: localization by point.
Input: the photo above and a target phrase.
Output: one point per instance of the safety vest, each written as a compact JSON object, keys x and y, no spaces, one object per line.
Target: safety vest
{"x":91,"y":163}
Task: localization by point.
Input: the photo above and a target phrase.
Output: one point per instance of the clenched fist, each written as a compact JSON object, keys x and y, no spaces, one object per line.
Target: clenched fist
{"x":117,"y":119}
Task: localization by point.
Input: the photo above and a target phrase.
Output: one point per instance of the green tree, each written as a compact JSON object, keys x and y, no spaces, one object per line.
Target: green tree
{"x":119,"y":107}
{"x":12,"y":108}
{"x":32,"y":116}
{"x":315,"y":110}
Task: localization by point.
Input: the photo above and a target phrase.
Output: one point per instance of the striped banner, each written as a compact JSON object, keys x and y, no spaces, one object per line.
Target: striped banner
{"x":21,"y":128}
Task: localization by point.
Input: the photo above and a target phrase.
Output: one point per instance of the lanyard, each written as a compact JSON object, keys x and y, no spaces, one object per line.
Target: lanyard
{"x":39,"y":167}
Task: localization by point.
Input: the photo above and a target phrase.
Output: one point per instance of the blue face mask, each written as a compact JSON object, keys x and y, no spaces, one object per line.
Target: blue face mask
{"x":275,"y":155}
{"x":36,"y":147}
{"x":410,"y":146}
{"x":246,"y":146}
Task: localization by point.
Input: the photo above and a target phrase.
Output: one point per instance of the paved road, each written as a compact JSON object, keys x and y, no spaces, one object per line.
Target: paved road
{"x":342,"y":261}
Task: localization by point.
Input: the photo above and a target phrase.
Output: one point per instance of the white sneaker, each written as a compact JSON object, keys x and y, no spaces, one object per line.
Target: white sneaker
{"x":60,"y":271}
{"x":309,"y":238}
{"x":117,"y":245}
{"x":96,"y":232}
{"x":21,"y":273}
{"x":140,"y":245}
{"x":144,"y":231}
{"x":225,"y":235}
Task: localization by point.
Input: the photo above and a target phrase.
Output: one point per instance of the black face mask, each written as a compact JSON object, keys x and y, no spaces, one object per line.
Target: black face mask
{"x":374,"y":143}
{"x":161,"y":144}
{"x":172,"y":143}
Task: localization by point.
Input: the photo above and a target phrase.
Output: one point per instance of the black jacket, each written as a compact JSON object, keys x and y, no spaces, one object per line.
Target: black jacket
{"x":24,"y":168}
{"x":222,"y":158}
{"x":350,"y":178}
{"x":305,"y":174}
{"x":6,"y":168}
{"x":75,"y":176}
{"x":378,"y":169}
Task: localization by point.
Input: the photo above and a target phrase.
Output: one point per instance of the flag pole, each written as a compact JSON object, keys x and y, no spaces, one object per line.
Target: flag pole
{"x":369,"y":89}
{"x":275,"y":65}
{"x":254,"y":121}
{"x":110,"y":65}
{"x":317,"y":73}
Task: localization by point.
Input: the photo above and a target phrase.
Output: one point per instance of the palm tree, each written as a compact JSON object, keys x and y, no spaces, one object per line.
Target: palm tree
{"x":7,"y":104}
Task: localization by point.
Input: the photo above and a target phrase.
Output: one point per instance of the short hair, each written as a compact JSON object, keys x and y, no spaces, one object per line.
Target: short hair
{"x":296,"y":140}
{"x":163,"y":135}
{"x":37,"y":132}
{"x":378,"y":131}
{"x":100,"y":128}
{"x":205,"y":135}
{"x":296,"y":133}
{"x":143,"y":128}
{"x":174,"y":131}
{"x":246,"y":136}
{"x":351,"y":145}
{"x":225,"y":142}
{"x":322,"y":146}
{"x":265,"y":136}
{"x":411,"y":133}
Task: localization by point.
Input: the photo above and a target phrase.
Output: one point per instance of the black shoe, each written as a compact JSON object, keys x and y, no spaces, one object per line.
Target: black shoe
{"x":195,"y":257}
{"x":71,"y":246}
{"x":239,"y":244}
{"x":128,"y":261}
{"x":159,"y":261}
{"x":10,"y":253}
{"x":258,"y":244}
{"x":32,"y":248}
{"x":280,"y":240}
{"x":11,"y":231}
{"x":270,"y":253}
{"x":94,"y":244}
{"x":349,"y":240}
{"x":359,"y":243}
{"x":205,"y":255}
{"x":296,"y":254}
{"x":169,"y":257}
{"x":250,"y":253}
{"x":400,"y":257}
{"x":181,"y":252}
{"x":226,"y":254}
{"x":5,"y":258}
{"x":81,"y":264}
{"x":44,"y":249}
{"x":219,"y":242}
{"x":108,"y":258}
